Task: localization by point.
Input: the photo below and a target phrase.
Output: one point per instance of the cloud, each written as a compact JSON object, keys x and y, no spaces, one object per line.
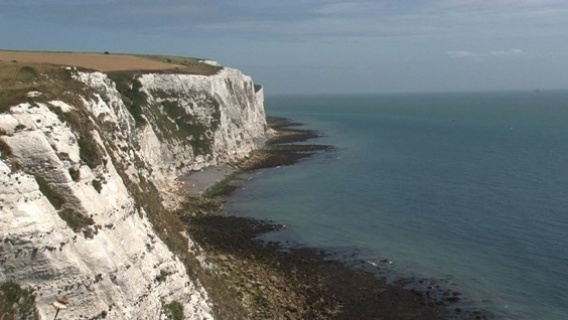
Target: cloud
{"x":339,"y":8}
{"x":491,"y":54}
{"x":512,"y":52}
{"x":295,"y":20}
{"x":462,"y":54}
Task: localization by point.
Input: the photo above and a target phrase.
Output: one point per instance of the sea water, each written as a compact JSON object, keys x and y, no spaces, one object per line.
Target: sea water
{"x":467,"y":186}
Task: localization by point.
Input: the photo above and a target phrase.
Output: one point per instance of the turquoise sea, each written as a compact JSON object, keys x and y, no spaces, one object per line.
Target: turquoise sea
{"x":471,"y":187}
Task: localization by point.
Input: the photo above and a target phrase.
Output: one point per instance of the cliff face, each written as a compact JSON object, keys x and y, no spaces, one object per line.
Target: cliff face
{"x":87,"y":186}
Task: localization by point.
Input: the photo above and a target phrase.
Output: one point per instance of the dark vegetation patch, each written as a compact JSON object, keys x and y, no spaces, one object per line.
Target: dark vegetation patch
{"x":75,"y":220}
{"x":168,"y":117}
{"x":191,"y":65}
{"x":7,"y":155}
{"x":188,"y":127}
{"x":166,"y":224}
{"x":172,"y":120}
{"x":222,"y":188}
{"x":170,"y":228}
{"x":5,"y":150}
{"x":27,"y":73}
{"x":133,"y":98}
{"x":75,"y":174}
{"x":162,"y":276}
{"x":174,"y":310}
{"x":17,"y":303}
{"x":97,"y":184}
{"x":53,"y":82}
{"x":196,"y":206}
{"x":54,"y":197}
{"x":89,"y":150}
{"x":257,"y":87}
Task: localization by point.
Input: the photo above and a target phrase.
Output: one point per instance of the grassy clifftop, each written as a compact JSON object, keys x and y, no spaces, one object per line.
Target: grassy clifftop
{"x":25,"y":71}
{"x":17,"y":79}
{"x":107,"y":62}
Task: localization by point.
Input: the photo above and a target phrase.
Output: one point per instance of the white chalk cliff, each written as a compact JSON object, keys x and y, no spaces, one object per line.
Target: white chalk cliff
{"x":84,"y":183}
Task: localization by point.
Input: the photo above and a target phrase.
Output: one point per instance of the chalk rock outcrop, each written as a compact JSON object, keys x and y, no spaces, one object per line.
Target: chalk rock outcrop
{"x":87,"y":187}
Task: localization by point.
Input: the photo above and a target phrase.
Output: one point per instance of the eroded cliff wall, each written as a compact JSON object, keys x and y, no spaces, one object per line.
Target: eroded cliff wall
{"x":87,"y":186}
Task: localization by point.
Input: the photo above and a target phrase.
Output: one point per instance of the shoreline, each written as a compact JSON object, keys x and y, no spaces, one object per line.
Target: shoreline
{"x":271,"y":280}
{"x":194,"y":183}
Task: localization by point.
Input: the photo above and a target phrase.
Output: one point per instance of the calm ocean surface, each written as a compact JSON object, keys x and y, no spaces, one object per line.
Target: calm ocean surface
{"x":468,"y":186}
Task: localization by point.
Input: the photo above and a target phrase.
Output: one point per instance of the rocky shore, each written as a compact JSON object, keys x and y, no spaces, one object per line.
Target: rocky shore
{"x":249,"y":278}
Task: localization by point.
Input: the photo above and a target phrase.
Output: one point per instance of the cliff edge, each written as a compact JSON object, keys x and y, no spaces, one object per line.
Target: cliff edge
{"x":88,"y":168}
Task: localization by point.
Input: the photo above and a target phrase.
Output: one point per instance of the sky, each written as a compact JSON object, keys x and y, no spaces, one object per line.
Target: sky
{"x":320,"y":47}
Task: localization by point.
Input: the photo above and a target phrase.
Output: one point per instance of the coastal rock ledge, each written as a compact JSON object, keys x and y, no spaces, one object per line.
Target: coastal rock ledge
{"x":88,"y":168}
